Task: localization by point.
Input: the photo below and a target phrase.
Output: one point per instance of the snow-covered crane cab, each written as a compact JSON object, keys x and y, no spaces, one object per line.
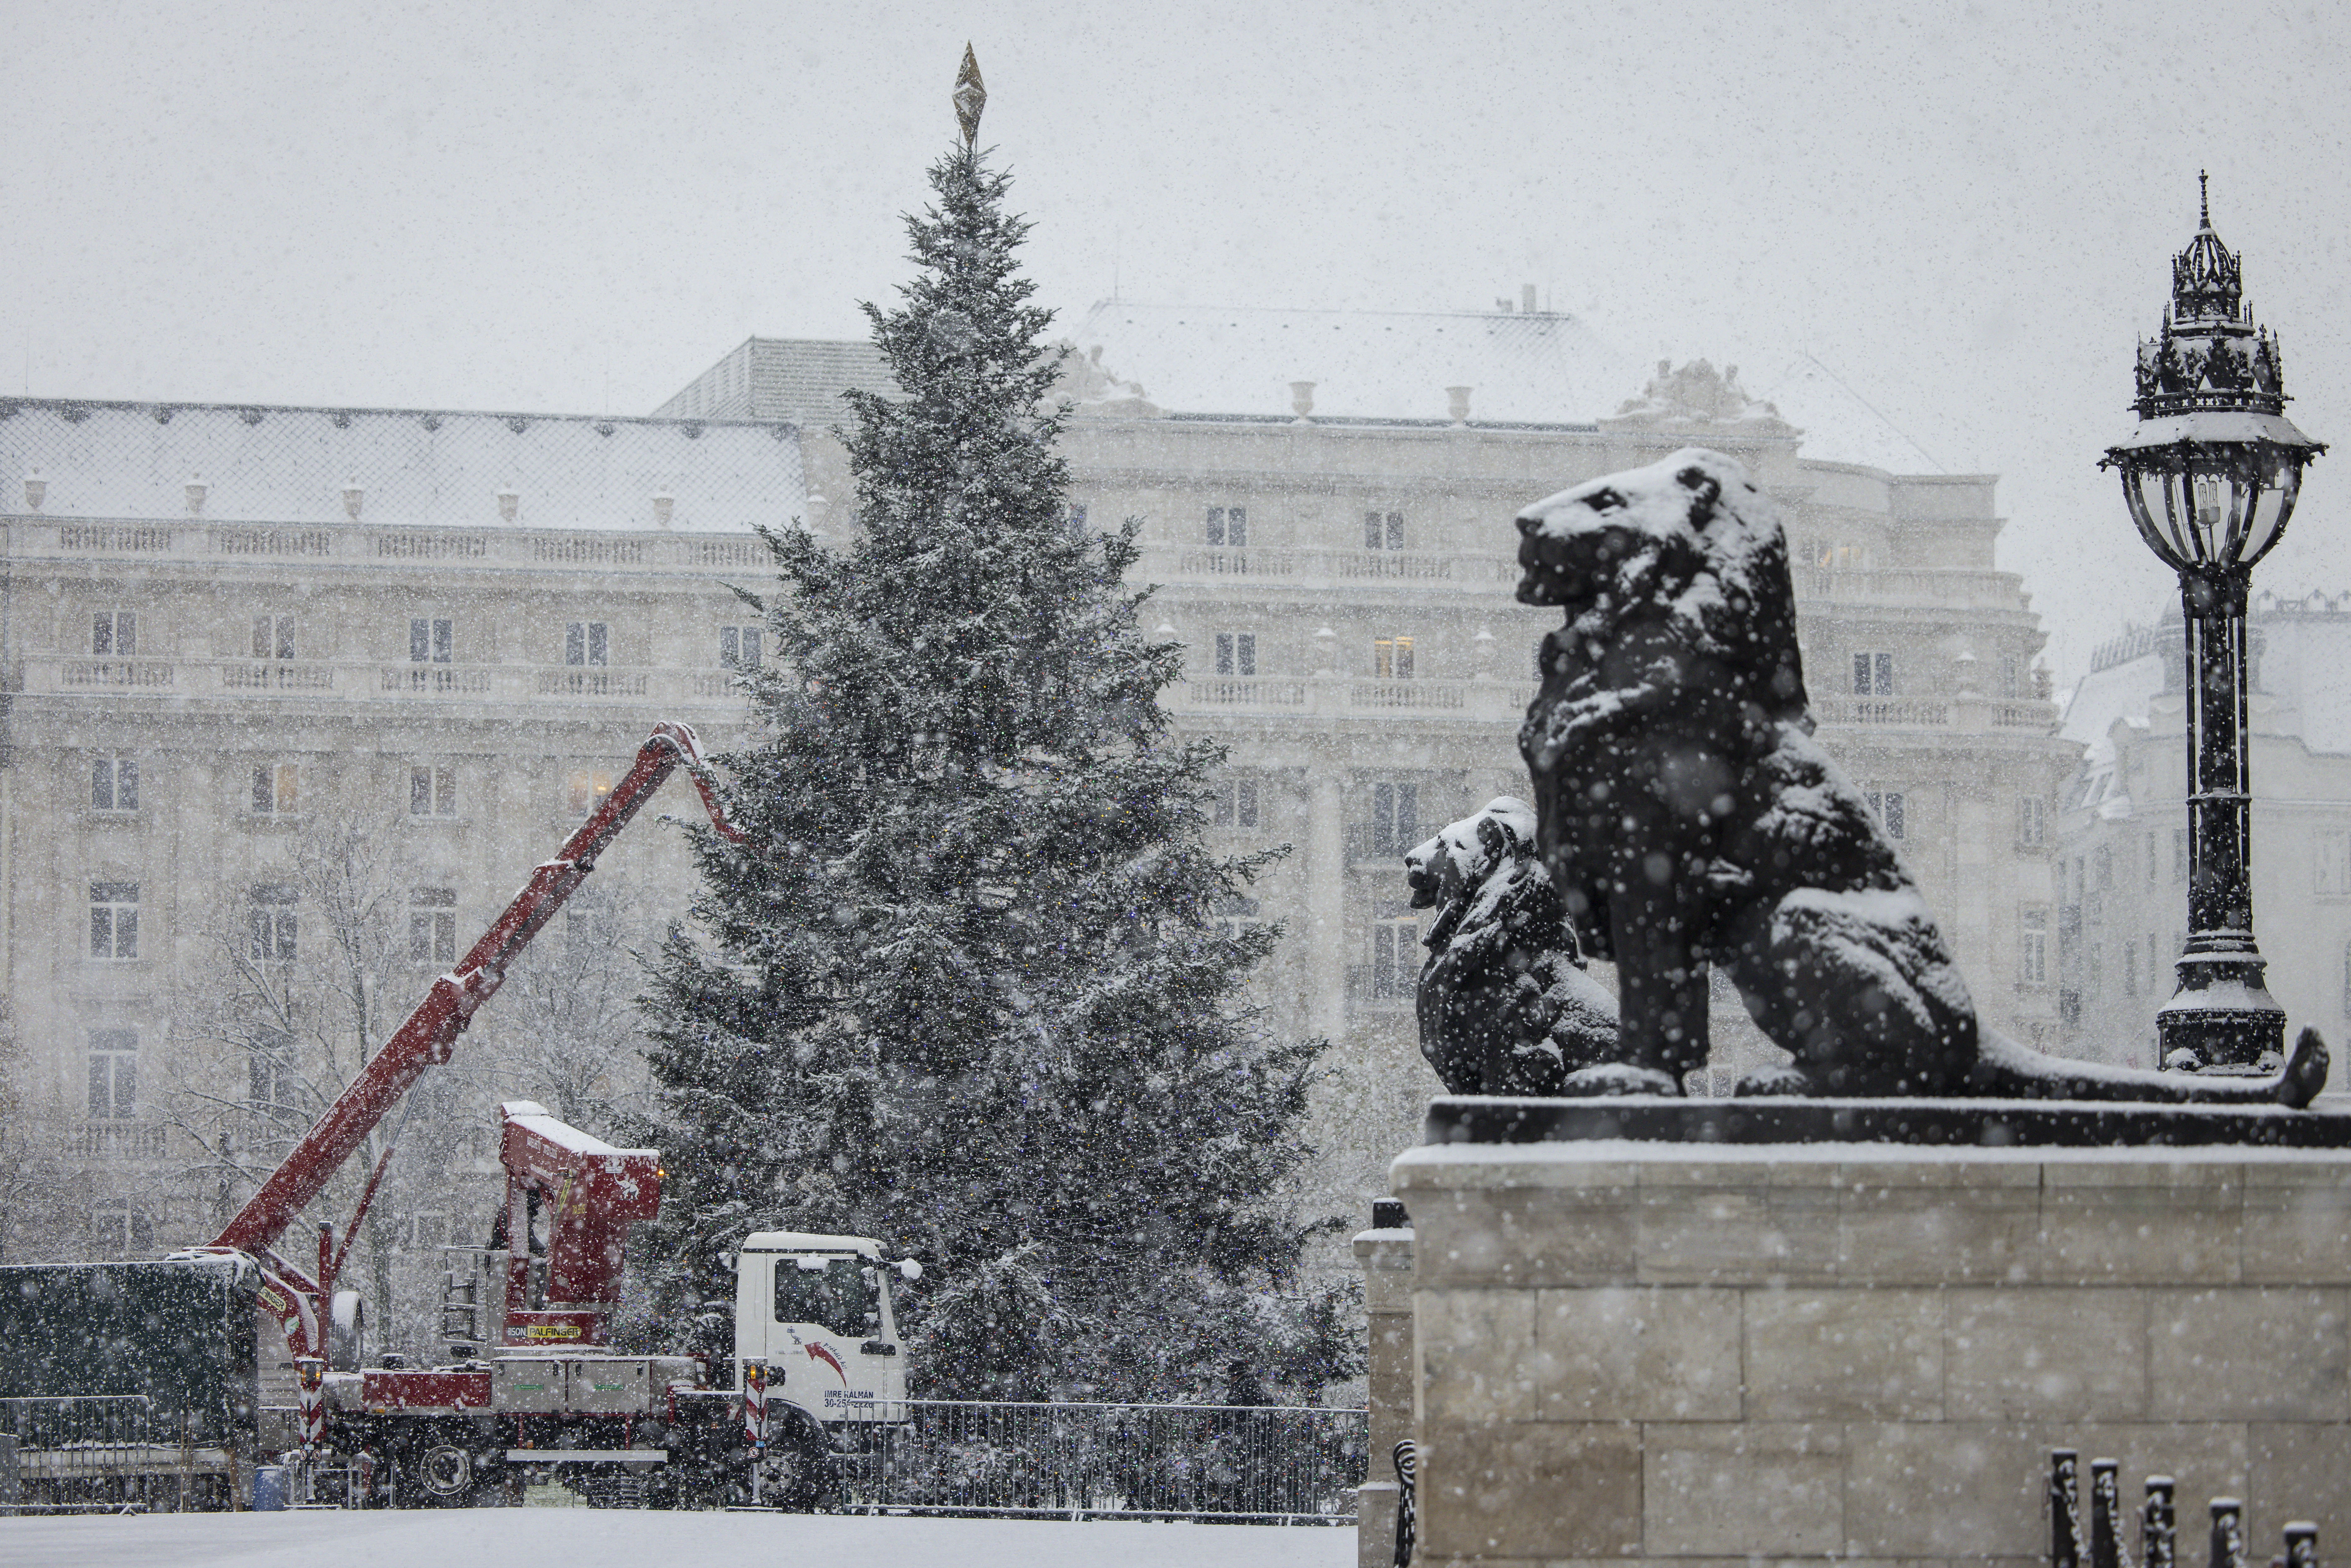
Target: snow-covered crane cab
{"x":817,"y":1311}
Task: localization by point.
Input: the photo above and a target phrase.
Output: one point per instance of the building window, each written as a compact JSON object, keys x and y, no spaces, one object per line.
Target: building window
{"x":1872,"y":674}
{"x":1392,"y":658}
{"x":2102,"y":860}
{"x":114,"y":920}
{"x":2179,"y":854}
{"x":277,"y":790}
{"x":433,"y":926}
{"x":584,"y":789}
{"x":429,"y":640}
{"x":2011,"y":676}
{"x":2080,"y":885}
{"x":1395,"y":818}
{"x":2334,"y":863}
{"x":1383,"y":531}
{"x":1228,"y":525}
{"x":1237,"y":652}
{"x":114,"y":633}
{"x":113,"y":1074}
{"x":1236,"y":803}
{"x":738,"y":647}
{"x":432,"y":791}
{"x":1886,"y":806}
{"x":2150,"y":860}
{"x":2032,"y":822}
{"x":2130,"y":967}
{"x":120,"y":1229}
{"x":1396,"y":958}
{"x":114,"y":784}
{"x":586,"y":643}
{"x":1233,"y":916}
{"x":2154,"y":964}
{"x":2032,"y":946}
{"x":2098,"y":968}
{"x":2346,"y":982}
{"x":273,"y":636}
{"x":271,"y":1083}
{"x":274,"y":926}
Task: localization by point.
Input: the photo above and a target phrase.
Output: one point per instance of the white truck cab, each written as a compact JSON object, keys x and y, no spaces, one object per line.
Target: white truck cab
{"x":816,"y":1309}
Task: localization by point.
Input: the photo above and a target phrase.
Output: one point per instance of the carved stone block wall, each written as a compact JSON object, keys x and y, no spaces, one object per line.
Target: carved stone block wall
{"x":1867,"y":1355}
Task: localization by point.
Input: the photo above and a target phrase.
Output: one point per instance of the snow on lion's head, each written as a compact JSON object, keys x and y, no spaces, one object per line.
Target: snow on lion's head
{"x":1690,"y":539}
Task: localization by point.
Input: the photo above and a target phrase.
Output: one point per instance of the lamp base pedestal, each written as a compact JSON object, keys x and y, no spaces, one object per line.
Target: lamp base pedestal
{"x":2222,"y":1015}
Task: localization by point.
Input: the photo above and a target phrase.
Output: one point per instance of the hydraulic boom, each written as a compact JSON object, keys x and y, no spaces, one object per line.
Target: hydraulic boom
{"x":430,"y":1033}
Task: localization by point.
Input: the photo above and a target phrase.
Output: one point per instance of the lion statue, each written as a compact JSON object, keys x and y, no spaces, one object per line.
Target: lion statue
{"x":1688,"y":818}
{"x":1505,"y":1005}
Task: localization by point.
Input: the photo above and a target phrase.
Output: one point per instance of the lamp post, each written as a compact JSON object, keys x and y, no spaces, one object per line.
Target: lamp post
{"x":2210,"y":475}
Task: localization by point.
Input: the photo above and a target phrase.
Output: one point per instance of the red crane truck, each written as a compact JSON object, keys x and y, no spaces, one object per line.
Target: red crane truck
{"x":543,"y":1395}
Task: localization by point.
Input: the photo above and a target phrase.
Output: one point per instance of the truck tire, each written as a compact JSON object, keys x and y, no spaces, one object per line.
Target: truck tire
{"x":800,"y":1474}
{"x":439,"y":1473}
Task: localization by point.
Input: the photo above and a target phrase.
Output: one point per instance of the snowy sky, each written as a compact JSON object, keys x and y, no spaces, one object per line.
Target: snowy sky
{"x":1966,"y":211}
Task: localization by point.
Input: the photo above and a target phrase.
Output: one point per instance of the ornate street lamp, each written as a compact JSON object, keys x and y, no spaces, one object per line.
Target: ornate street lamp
{"x":2210,"y":475}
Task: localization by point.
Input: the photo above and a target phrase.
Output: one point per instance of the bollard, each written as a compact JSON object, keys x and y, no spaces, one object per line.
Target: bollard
{"x":755,"y":1419}
{"x":2159,"y":1531}
{"x":2105,"y":1506}
{"x":2228,"y":1532}
{"x":2064,"y":1508}
{"x":311,"y":1372}
{"x":2302,"y":1544}
{"x":1406,"y":1458}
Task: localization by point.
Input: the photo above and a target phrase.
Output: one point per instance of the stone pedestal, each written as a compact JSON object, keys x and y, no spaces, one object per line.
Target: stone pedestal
{"x":1385,"y":1255}
{"x":1708,"y":1353}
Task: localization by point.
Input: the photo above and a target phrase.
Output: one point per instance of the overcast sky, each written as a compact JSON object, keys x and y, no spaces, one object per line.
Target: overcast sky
{"x":1967,"y":212}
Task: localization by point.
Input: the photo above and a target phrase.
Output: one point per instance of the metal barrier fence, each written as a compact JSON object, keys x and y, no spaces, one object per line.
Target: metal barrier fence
{"x":103,"y":1454}
{"x":1271,"y":1464}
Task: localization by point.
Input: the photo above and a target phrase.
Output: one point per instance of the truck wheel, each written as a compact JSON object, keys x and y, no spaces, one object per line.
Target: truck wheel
{"x":440,"y":1475}
{"x":799,"y":1473}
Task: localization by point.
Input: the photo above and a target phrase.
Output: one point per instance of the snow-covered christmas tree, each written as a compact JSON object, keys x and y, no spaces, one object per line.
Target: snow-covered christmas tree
{"x":961,"y":989}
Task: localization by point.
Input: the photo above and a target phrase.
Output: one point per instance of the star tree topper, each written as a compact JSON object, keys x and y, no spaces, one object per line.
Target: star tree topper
{"x":970,"y":97}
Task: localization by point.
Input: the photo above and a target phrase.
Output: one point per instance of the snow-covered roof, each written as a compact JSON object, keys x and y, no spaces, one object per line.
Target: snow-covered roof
{"x":264,"y":464}
{"x":1838,"y":424}
{"x":1521,"y":368}
{"x":2120,"y":691}
{"x":808,"y":1241}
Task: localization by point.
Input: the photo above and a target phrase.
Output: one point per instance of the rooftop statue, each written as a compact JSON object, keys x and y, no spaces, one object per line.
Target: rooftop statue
{"x":1688,"y":818}
{"x":1505,"y":1005}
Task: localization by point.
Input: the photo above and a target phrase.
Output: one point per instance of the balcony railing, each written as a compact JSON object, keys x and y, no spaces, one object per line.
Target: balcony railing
{"x":1339,"y":695}
{"x":1466,"y":569}
{"x":115,"y":1141}
{"x":380,"y":543}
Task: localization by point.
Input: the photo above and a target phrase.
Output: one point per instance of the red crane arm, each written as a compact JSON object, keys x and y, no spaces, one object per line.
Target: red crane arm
{"x":430,"y":1033}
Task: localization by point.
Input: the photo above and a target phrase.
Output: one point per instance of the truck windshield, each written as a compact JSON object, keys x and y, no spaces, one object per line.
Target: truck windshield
{"x":834,"y":1293}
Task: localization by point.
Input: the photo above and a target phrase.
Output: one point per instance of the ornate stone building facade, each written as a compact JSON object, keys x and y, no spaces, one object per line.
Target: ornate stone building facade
{"x":295,"y":700}
{"x":2122,"y":831}
{"x":1327,"y":501}
{"x":230,"y":631}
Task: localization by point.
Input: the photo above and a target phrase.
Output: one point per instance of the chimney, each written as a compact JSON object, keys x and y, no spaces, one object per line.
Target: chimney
{"x":508,"y":504}
{"x":352,"y":499}
{"x":1301,"y":400}
{"x":1527,"y":300}
{"x":661,"y":505}
{"x":197,"y":489}
{"x":1457,"y":404}
{"x":35,"y":489}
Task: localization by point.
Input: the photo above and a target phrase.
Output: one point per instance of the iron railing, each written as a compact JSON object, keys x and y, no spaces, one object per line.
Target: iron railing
{"x":1270,"y":1464}
{"x":105,"y":1453}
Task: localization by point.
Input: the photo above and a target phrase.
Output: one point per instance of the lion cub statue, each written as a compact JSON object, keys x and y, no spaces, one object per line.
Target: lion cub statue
{"x":1505,"y":1005}
{"x":1688,"y":818}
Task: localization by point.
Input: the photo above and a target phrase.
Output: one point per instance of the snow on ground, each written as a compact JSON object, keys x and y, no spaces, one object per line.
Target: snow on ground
{"x":623,"y":1538}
